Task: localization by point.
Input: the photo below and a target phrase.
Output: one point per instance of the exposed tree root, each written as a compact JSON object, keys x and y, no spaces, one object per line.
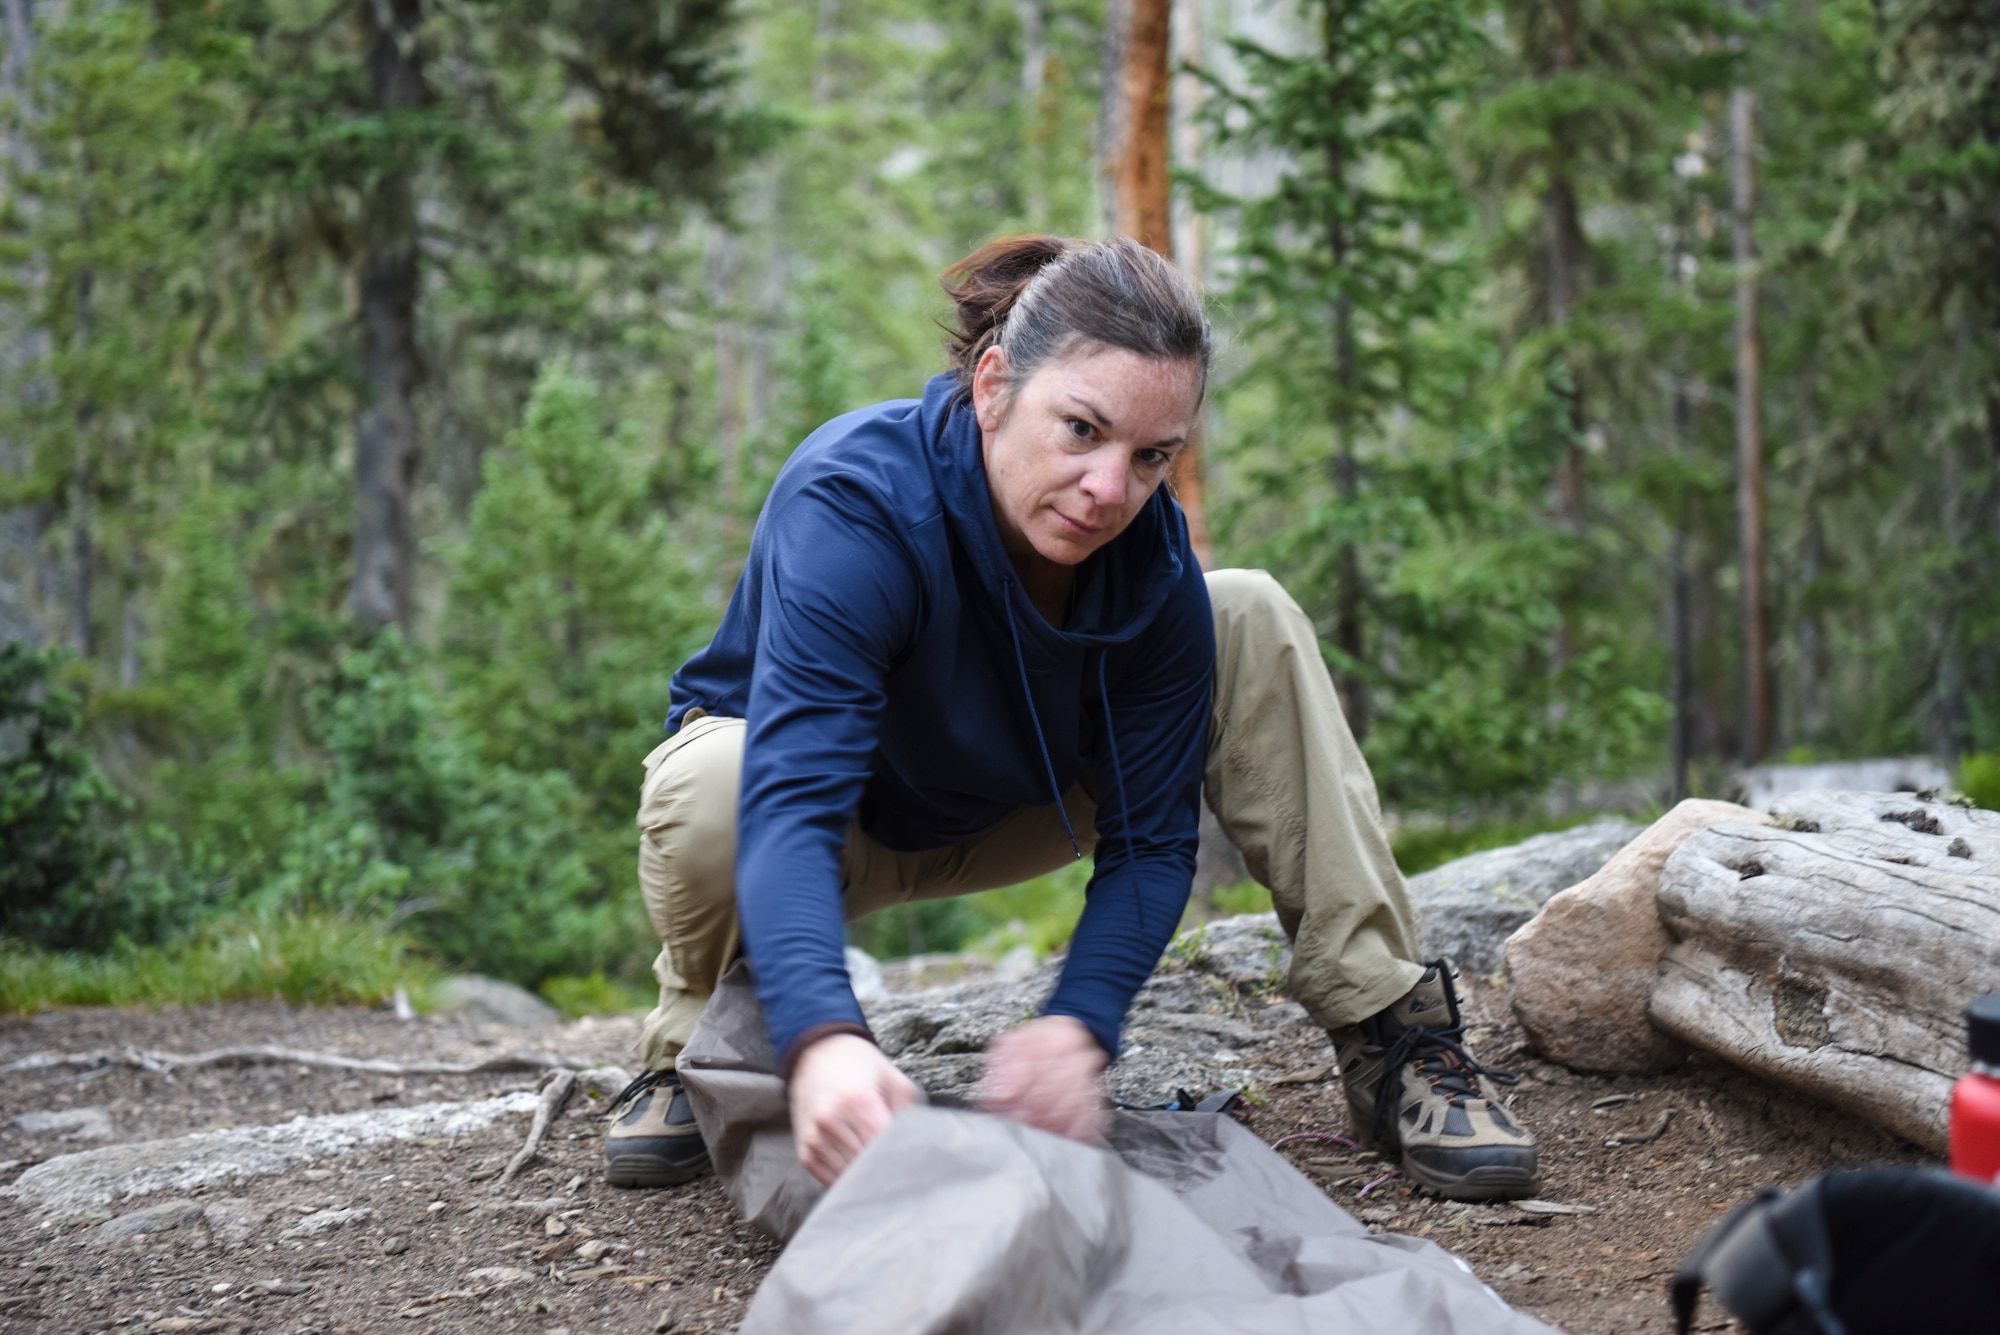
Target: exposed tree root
{"x":169,"y":1062}
{"x":554,"y":1095}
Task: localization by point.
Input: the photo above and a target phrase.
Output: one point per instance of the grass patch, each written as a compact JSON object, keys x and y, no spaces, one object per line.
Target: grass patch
{"x":1039,"y":914}
{"x":595,"y":994}
{"x":307,"y":959}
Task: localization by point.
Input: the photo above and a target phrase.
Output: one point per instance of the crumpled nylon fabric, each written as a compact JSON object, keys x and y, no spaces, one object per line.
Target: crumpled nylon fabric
{"x":959,"y":1223}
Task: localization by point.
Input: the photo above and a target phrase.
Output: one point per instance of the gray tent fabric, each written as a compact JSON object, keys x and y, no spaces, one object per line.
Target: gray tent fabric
{"x":959,"y":1223}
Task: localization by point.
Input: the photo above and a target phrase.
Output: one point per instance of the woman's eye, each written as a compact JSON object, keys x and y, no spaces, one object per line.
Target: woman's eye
{"x":1150,"y":458}
{"x":1079,"y":428}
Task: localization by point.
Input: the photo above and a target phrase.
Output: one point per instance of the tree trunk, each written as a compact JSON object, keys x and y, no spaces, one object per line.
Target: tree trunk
{"x":385,"y":437}
{"x":1349,"y":595}
{"x":82,"y":537}
{"x":1680,"y":615}
{"x":1134,"y":144}
{"x":1141,"y":190}
{"x":1568,"y":251}
{"x":1034,"y":77}
{"x":1837,"y":955}
{"x":1756,"y":739}
{"x":24,"y":568}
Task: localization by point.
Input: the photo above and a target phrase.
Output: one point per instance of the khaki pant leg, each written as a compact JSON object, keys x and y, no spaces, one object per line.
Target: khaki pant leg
{"x":1291,"y":789}
{"x":1029,"y":843}
{"x":687,"y":869}
{"x":687,"y":874}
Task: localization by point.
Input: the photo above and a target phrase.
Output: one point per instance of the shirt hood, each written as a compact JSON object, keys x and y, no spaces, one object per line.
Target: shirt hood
{"x":1120,"y":587}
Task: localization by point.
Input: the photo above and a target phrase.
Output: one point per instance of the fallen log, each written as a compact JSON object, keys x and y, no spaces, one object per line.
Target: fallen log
{"x":1835,"y":950}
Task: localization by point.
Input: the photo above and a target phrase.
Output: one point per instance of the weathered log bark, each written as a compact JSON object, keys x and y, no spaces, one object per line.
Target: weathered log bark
{"x":1835,"y":950}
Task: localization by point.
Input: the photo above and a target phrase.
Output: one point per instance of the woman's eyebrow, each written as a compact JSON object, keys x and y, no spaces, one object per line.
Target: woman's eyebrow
{"x":1092,"y":411}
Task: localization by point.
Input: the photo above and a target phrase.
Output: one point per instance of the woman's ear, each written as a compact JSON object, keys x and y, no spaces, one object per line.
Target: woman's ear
{"x":989,"y":389}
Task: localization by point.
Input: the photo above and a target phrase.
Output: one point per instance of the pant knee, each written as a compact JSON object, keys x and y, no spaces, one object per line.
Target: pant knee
{"x":1250,"y":597}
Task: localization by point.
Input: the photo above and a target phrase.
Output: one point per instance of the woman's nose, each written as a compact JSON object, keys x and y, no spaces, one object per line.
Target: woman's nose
{"x":1106,"y":481}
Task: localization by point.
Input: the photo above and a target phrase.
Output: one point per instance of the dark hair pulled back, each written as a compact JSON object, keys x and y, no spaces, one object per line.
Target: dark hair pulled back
{"x":1035,"y":296}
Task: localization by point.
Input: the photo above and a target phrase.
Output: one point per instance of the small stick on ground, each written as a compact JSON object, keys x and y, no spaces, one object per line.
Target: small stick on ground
{"x":553,"y":1097}
{"x":169,"y":1062}
{"x":1652,"y":1133}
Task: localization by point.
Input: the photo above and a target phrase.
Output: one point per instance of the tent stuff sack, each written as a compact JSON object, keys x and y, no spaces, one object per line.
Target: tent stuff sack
{"x":960,"y":1222}
{"x":1869,"y":1252}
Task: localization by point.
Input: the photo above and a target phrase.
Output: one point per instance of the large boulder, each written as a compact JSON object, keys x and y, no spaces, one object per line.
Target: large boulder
{"x":493,"y":1001}
{"x":1584,"y":967}
{"x":1471,"y":906}
{"x":1764,"y":785}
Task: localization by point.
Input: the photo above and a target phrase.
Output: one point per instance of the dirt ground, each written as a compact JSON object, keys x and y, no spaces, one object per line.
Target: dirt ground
{"x":447,"y":1248}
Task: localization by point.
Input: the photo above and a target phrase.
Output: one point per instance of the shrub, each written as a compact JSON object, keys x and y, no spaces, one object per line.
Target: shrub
{"x":56,"y":813}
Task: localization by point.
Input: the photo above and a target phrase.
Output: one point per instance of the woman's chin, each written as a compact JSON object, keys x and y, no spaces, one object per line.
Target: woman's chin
{"x":1068,"y":549}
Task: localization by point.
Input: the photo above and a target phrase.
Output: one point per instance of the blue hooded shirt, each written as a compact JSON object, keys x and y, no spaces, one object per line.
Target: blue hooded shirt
{"x":890,"y":666}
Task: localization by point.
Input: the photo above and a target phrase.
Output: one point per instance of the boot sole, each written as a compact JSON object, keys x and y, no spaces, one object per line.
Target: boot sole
{"x":1490,"y":1182}
{"x":652,"y":1170}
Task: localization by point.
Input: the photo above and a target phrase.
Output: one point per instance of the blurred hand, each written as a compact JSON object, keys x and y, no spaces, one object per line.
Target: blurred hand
{"x":1045,"y":1074}
{"x":843,"y":1092}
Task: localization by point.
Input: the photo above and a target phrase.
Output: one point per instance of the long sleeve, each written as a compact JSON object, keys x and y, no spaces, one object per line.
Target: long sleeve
{"x":840,"y":603}
{"x":1148,"y":817}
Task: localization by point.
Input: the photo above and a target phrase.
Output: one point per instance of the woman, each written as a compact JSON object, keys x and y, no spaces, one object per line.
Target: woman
{"x":972,"y":643}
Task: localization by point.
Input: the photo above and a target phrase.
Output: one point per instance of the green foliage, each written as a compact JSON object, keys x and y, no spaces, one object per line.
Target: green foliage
{"x":1979,"y":779}
{"x":497,"y":868}
{"x":1039,"y":914}
{"x":55,"y":847}
{"x":314,"y":959}
{"x":595,"y":994}
{"x":1422,"y":846}
{"x":571,"y":607}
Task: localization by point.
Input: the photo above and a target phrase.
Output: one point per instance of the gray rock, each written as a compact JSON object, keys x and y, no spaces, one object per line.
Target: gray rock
{"x":1202,"y":1022}
{"x":233,"y":1221}
{"x":162,"y":1218}
{"x":320,"y":1222}
{"x":1471,"y":906}
{"x":494,"y":1001}
{"x":1218,"y":863}
{"x":864,"y":975}
{"x":1764,"y":784}
{"x":74,"y":1183}
{"x":78,"y":1123}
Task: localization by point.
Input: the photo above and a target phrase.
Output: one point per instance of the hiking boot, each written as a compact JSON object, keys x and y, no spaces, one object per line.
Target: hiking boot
{"x":654,"y":1141}
{"x":1415,"y":1092}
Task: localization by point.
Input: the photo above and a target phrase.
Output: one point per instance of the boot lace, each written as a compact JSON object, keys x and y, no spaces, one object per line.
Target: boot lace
{"x":645,"y":1081}
{"x":1441,"y":1059}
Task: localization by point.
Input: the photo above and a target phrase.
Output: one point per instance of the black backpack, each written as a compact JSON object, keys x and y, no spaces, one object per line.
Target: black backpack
{"x":1867,"y":1252}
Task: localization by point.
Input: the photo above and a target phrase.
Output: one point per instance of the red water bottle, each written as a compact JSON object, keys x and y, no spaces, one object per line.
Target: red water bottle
{"x":1975,"y":1100}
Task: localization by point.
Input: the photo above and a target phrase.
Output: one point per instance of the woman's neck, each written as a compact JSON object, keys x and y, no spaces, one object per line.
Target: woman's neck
{"x":1048,"y":585}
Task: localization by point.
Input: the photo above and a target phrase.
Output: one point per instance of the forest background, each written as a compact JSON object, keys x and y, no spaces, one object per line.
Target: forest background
{"x":392,"y":386}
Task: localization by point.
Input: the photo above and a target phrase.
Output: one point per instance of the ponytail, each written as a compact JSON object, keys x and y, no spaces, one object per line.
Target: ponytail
{"x":1035,"y":296}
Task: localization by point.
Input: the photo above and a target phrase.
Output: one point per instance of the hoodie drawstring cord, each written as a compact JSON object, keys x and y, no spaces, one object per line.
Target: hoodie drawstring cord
{"x":1048,"y":765}
{"x":1118,"y":773}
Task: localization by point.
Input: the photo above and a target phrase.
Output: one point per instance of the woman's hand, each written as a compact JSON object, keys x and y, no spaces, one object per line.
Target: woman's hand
{"x":843,"y":1092}
{"x":1046,"y":1074}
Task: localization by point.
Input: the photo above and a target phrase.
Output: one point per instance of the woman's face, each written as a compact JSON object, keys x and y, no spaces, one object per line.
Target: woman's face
{"x":1076,"y":450}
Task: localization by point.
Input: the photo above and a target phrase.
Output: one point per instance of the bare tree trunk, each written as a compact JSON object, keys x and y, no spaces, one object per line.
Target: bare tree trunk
{"x":1134,"y":147}
{"x":1349,"y":593}
{"x":82,"y":536}
{"x":1568,"y":251}
{"x":24,"y":573}
{"x":723,"y":256}
{"x":1680,"y":617}
{"x":385,"y":437}
{"x":1756,"y":741}
{"x":1141,"y":191}
{"x":1034,"y":77}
